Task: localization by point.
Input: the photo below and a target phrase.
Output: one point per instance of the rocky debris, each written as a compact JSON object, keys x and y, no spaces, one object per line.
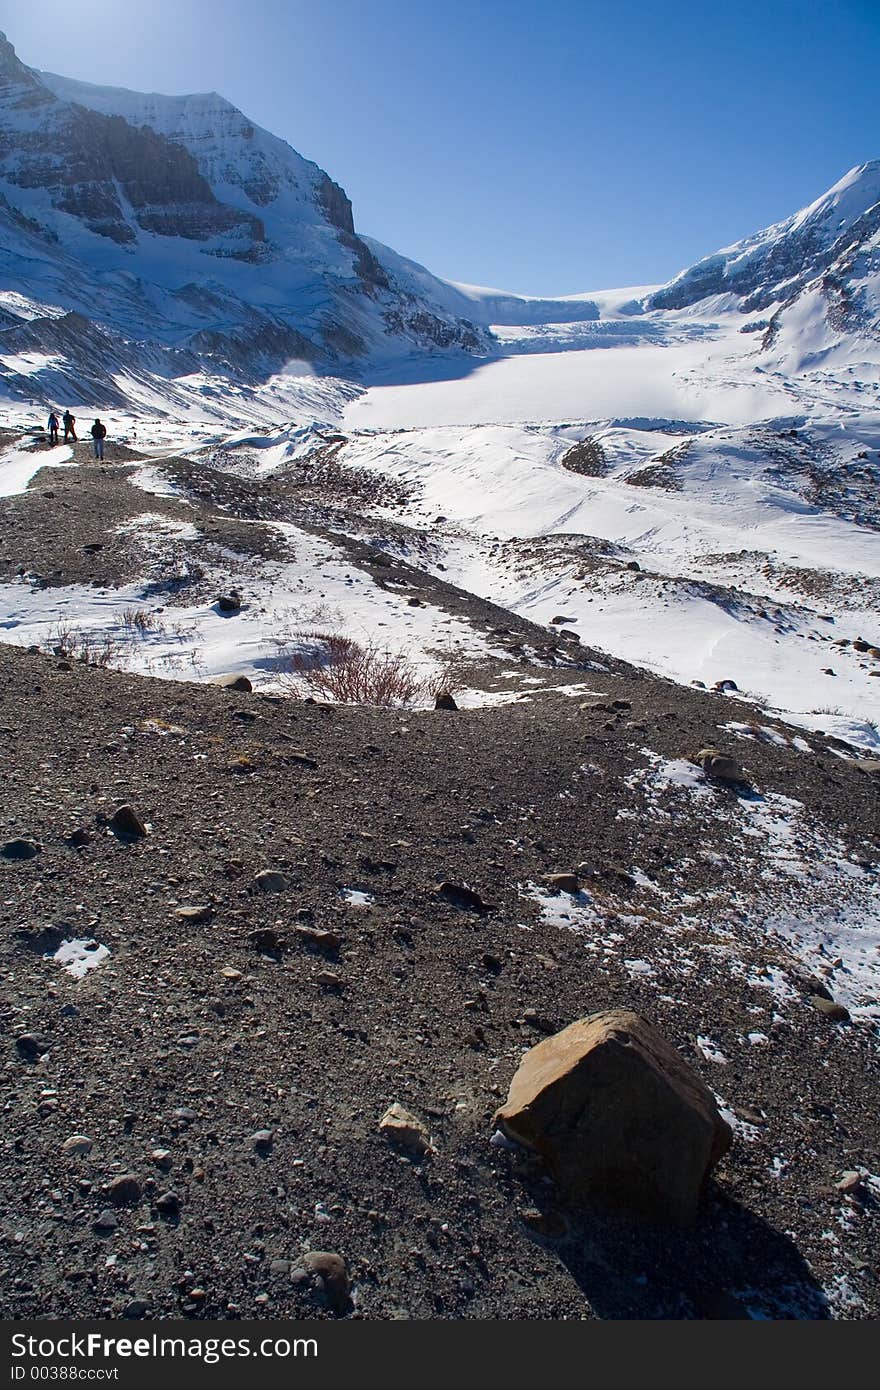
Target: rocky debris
{"x":330,"y":1270}
{"x":229,"y":603}
{"x":264,"y":939}
{"x":234,"y":681}
{"x":562,"y":882}
{"x":460,"y":895}
{"x":124,"y":1191}
{"x":77,"y":1144}
{"x":619,"y":1116}
{"x":262,"y":1140}
{"x":162,"y":1158}
{"x":195,"y":913}
{"x":270,"y":881}
{"x":837,"y":1013}
{"x":106,"y":1221}
{"x":850,"y":1184}
{"x":32,"y":1046}
{"x":127,"y":824}
{"x":720,"y":767}
{"x":318,"y":937}
{"x":445,"y":700}
{"x":168,"y":1204}
{"x":20,"y":849}
{"x":404,"y":1130}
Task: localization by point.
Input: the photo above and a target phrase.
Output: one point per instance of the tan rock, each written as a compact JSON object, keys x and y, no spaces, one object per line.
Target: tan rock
{"x":234,"y":681}
{"x":405,"y":1130}
{"x":619,"y":1117}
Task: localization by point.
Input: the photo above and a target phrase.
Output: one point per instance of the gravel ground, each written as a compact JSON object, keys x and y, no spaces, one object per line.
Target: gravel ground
{"x":226,"y":1065}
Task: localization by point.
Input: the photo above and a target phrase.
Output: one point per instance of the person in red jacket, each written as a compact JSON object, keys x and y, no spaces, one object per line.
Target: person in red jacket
{"x":99,"y":434}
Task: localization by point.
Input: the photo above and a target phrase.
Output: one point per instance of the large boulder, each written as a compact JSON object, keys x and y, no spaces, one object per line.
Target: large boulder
{"x":619,"y":1117}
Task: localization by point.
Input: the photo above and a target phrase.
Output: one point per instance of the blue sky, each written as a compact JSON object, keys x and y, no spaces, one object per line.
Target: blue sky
{"x":542,"y":148}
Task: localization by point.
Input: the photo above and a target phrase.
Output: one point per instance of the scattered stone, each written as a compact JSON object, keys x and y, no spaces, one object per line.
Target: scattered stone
{"x":563,"y":883}
{"x":835,"y":1012}
{"x":262,"y":1139}
{"x":533,"y":1019}
{"x":633,"y":565}
{"x":264,"y":939}
{"x":850,"y":1184}
{"x":106,"y":1220}
{"x":725,"y":685}
{"x":229,"y":603}
{"x":77,"y":1144}
{"x":79,"y":837}
{"x":270,"y":881}
{"x":302,"y":759}
{"x":619,"y":1116}
{"x":126,"y":822}
{"x":202,"y":913}
{"x":331,"y":1270}
{"x":169,"y":1204}
{"x":229,"y":972}
{"x":318,"y":937}
{"x":329,"y":980}
{"x":21,"y":849}
{"x":404,"y":1130}
{"x":560,"y":621}
{"x":124,"y":1191}
{"x":162,"y":1158}
{"x":720,"y":766}
{"x":32,"y":1045}
{"x":459,"y":895}
{"x":444,"y":700}
{"x":234,"y":681}
{"x":137,"y":1308}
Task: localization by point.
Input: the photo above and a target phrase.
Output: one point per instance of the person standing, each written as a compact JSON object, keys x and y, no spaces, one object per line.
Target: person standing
{"x":99,"y":434}
{"x":69,"y":426}
{"x":53,"y":427}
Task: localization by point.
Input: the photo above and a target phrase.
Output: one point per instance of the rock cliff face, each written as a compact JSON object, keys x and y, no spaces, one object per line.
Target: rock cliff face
{"x":180,"y":227}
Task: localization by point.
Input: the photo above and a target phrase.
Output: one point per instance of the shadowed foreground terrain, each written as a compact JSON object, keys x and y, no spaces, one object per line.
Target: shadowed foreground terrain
{"x":233,"y":1053}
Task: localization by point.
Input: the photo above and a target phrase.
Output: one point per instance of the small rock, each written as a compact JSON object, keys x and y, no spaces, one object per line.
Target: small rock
{"x":229,"y":603}
{"x":563,"y":883}
{"x":262,"y":1139}
{"x":459,"y":895}
{"x":404,"y":1130}
{"x":169,"y":1204}
{"x":32,"y":1045}
{"x":229,"y":972}
{"x":234,"y":681}
{"x":725,"y":685}
{"x":79,"y":837}
{"x":850,"y":1184}
{"x":162,"y":1158}
{"x":21,"y":849}
{"x":77,"y":1144}
{"x":106,"y":1220}
{"x":264,"y":939}
{"x":331,"y":1270}
{"x":318,"y":937}
{"x":126,"y":822}
{"x":835,"y":1012}
{"x":533,"y":1019}
{"x":633,"y":565}
{"x":270,"y":881}
{"x":191,"y":913}
{"x":329,"y":980}
{"x":137,"y":1308}
{"x":124,"y":1191}
{"x":444,"y":700}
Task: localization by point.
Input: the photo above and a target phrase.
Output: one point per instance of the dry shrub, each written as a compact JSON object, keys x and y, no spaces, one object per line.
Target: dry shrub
{"x":339,"y":668}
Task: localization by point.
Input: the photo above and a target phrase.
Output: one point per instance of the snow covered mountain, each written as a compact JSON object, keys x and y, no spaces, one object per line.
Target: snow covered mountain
{"x":190,"y":239}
